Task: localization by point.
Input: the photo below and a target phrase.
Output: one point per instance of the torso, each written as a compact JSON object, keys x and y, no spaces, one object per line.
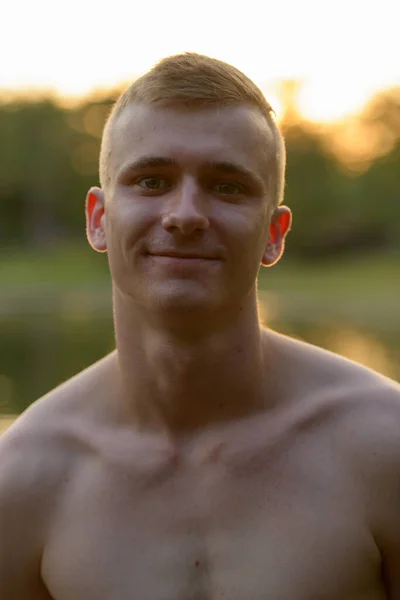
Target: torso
{"x":268,"y":507}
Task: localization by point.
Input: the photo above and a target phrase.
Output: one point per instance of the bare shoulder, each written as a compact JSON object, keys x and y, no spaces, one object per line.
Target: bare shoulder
{"x":38,"y":447}
{"x":370,"y":432}
{"x":355,"y":411}
{"x":37,"y":454}
{"x":360,"y":406}
{"x":320,"y":365}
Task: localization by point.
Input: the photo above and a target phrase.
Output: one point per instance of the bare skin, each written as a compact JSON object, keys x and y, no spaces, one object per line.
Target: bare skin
{"x":205,"y":458}
{"x":291,"y":501}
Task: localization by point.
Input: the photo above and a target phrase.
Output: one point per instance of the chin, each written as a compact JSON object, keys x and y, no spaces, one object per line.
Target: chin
{"x":183,"y":299}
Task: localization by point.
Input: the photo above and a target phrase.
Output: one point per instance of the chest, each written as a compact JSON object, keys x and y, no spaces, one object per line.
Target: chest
{"x":234,"y":529}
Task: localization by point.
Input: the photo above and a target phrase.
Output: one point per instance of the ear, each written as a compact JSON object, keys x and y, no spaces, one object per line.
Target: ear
{"x":95,"y":219}
{"x":279,"y":228}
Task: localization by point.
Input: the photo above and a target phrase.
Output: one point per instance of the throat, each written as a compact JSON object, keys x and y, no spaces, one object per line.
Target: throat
{"x":174,"y":385}
{"x":184,"y":405}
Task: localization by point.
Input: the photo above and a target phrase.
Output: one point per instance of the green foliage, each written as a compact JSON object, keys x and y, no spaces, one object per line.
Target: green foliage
{"x":48,"y":160}
{"x":312,"y":190}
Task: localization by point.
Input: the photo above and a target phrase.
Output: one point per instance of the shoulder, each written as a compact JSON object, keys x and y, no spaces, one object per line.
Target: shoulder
{"x":368,"y":439}
{"x":37,"y":456}
{"x":40,"y":447}
{"x":360,"y":421}
{"x":365,"y":403}
{"x":358,"y":405}
{"x":318,"y":368}
{"x":371,"y":431}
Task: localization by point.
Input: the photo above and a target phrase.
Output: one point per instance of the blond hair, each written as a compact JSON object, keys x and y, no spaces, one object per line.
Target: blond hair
{"x":194,"y":80}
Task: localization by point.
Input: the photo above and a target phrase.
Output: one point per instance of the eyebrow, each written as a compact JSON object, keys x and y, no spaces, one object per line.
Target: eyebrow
{"x":225,"y":167}
{"x":146,"y":162}
{"x":230,"y":167}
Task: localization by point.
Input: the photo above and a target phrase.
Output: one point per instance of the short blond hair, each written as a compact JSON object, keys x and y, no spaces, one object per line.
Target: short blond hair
{"x":194,"y":80}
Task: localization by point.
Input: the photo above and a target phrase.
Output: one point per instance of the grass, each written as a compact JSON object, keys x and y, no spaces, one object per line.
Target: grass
{"x":361,"y":290}
{"x":63,"y":265}
{"x":374,"y":275}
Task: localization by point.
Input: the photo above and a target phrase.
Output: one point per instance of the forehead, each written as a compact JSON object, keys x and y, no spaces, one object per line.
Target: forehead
{"x":190,"y":136}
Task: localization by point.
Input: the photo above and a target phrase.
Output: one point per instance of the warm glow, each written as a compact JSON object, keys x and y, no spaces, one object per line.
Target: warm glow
{"x":331,"y":100}
{"x":343,"y":51}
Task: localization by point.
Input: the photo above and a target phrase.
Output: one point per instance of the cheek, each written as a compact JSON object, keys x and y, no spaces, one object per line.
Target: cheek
{"x":129,"y":218}
{"x":248,"y":229}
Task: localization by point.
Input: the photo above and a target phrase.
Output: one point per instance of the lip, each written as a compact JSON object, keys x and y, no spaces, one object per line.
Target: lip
{"x":183,"y":255}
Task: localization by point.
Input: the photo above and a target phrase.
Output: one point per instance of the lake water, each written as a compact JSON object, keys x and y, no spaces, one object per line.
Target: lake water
{"x":39,"y":350}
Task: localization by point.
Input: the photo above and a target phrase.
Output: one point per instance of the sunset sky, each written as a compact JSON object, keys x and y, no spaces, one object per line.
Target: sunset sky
{"x":344,"y":50}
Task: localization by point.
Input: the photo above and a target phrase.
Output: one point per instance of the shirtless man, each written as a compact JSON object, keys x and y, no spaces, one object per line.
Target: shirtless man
{"x":206,"y":458}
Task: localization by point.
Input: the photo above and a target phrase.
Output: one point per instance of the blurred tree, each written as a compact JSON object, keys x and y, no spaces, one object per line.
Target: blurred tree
{"x":48,"y":159}
{"x":382,"y":118}
{"x":381,"y":182}
{"x":312,"y":181}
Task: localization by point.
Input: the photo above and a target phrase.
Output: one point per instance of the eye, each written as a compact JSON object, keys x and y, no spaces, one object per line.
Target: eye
{"x":153,"y":183}
{"x":228,"y":189}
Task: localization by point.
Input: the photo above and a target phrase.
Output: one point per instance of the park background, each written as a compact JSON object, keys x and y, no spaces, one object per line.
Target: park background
{"x":331,"y":72}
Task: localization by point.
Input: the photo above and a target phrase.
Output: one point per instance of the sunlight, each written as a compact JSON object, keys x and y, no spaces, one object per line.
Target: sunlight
{"x":328,"y":101}
{"x":6,"y":422}
{"x":362,"y":348}
{"x":341,"y":62}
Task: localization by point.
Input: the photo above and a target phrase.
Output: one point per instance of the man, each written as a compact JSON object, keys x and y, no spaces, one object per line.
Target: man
{"x":206,"y":457}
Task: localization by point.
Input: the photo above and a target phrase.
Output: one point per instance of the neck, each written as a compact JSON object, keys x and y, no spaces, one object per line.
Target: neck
{"x":177,"y":380}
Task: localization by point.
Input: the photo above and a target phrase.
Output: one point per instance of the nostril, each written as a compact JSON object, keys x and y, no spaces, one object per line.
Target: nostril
{"x":185,"y":222}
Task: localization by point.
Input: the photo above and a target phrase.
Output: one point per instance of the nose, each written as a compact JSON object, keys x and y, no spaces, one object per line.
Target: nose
{"x":185,"y":211}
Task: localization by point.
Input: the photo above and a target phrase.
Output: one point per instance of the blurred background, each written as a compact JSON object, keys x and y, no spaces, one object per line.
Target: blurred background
{"x":331,"y":72}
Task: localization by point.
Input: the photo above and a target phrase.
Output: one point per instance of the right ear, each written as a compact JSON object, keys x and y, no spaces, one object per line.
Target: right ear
{"x":95,"y":219}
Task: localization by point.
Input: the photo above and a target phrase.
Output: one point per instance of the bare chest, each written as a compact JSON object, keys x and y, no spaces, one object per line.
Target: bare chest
{"x":232,"y":528}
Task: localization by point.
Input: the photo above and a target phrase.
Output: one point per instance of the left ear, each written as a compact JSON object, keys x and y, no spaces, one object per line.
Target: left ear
{"x":279,"y":228}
